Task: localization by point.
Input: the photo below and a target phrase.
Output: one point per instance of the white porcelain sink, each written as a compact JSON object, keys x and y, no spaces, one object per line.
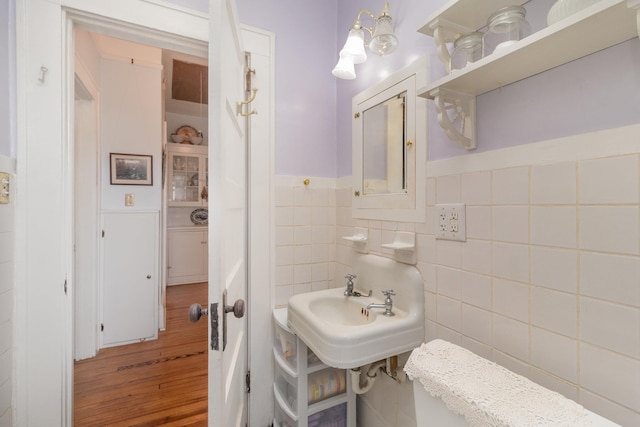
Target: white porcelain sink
{"x":344,"y":334}
{"x":334,"y":308}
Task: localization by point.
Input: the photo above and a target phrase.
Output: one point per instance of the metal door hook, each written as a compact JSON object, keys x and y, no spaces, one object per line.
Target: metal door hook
{"x":241,"y":104}
{"x":43,"y":71}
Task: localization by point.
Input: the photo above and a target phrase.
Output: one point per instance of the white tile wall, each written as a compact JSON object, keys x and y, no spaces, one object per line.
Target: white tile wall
{"x":553,"y":184}
{"x":547,"y":284}
{"x":511,"y":186}
{"x":609,"y":181}
{"x":6,"y":308}
{"x":610,"y":277}
{"x":305,"y":236}
{"x":609,"y":229}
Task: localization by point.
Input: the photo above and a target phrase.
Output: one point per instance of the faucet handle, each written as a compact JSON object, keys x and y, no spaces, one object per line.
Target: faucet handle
{"x":388,"y":294}
{"x":350,"y":277}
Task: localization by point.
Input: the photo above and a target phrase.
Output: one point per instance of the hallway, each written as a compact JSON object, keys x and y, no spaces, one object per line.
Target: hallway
{"x":160,"y":382}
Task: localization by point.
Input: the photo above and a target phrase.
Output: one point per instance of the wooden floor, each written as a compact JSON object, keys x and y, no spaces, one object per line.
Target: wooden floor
{"x":159,"y":382}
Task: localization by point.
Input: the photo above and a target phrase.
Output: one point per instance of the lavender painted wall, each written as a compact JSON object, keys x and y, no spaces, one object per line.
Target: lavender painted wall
{"x":408,"y":15}
{"x":313,"y":110}
{"x":7,"y":78}
{"x":597,"y":92}
{"x":313,"y":125}
{"x":305,"y":90}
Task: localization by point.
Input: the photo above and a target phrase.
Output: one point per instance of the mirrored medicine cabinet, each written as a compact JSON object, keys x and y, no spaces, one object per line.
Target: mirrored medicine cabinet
{"x":389,"y":133}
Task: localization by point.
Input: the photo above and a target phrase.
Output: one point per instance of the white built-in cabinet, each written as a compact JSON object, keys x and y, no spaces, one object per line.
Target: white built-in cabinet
{"x":187,"y":175}
{"x":596,"y":27}
{"x":187,"y":254}
{"x":307,"y":392}
{"x":129,"y":277}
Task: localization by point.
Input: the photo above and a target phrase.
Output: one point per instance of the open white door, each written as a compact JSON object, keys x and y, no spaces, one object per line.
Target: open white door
{"x":227,"y":218}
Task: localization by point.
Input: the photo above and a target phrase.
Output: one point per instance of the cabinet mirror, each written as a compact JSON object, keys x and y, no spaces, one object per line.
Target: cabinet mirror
{"x":389,"y":147}
{"x":383,"y":128}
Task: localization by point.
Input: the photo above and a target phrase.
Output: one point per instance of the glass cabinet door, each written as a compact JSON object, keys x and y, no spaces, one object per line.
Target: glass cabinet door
{"x":188,"y":176}
{"x":184,"y":179}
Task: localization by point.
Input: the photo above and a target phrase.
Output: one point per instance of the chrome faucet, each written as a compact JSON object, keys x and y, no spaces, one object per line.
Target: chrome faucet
{"x":349,"y":291}
{"x":388,"y":303}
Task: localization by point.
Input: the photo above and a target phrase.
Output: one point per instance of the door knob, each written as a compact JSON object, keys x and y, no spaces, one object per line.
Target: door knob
{"x":196,"y":311}
{"x":237,"y":308}
{"x":238,"y":311}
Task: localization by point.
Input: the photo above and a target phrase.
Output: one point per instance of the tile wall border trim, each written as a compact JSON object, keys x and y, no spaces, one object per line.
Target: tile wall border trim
{"x":298,"y":181}
{"x":604,"y":143}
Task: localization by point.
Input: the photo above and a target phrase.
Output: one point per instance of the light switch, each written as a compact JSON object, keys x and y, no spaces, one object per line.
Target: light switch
{"x":4,"y":187}
{"x":129,"y":199}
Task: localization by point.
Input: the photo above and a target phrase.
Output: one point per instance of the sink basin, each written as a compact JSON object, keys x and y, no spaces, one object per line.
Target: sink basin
{"x":344,"y":334}
{"x":334,"y":308}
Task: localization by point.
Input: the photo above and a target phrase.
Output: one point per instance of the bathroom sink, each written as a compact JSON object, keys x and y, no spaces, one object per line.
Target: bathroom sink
{"x":344,"y":334}
{"x":334,"y":308}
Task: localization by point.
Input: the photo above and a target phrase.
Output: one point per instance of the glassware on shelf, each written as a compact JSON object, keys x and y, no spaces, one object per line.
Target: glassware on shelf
{"x":564,"y":8}
{"x":505,"y":27}
{"x":466,"y":49}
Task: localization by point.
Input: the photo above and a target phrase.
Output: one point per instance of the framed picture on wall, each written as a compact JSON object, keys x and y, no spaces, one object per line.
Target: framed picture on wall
{"x":131,"y":169}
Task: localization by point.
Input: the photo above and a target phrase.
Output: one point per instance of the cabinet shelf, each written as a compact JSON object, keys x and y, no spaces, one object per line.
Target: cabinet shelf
{"x":590,"y":30}
{"x":328,"y":403}
{"x":468,"y":16}
{"x":597,"y":27}
{"x":316,"y":367}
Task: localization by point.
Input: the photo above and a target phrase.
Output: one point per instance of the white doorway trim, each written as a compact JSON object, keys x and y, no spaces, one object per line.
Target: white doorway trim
{"x":86,"y":208}
{"x":261,"y":45}
{"x":44,"y":201}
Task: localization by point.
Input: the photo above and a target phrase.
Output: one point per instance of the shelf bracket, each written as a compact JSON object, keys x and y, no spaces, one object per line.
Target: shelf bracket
{"x":457,"y":116}
{"x":446,"y":32}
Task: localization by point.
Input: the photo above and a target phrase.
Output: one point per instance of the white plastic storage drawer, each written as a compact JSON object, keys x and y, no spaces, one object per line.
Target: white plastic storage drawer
{"x":287,"y":387}
{"x":335,"y":416}
{"x":285,"y":343}
{"x":282,"y":419}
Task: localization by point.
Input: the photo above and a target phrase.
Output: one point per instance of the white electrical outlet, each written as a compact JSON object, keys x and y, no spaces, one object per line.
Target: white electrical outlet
{"x":451,"y":222}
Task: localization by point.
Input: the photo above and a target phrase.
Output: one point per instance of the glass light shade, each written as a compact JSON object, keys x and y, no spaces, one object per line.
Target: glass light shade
{"x":354,"y":46}
{"x":383,"y":41}
{"x":344,"y":69}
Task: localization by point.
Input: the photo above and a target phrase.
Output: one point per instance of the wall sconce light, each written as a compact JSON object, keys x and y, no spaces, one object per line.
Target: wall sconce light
{"x":382,"y":42}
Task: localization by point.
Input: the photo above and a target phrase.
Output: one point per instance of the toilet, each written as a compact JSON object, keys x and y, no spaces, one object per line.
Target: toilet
{"x":445,"y":369}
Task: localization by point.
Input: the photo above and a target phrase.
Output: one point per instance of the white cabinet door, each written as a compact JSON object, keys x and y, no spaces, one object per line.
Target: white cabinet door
{"x":129,"y":277}
{"x":187,"y":256}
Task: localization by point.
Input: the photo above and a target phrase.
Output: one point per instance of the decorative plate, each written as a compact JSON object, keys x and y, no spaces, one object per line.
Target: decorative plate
{"x":187,"y":131}
{"x":200,"y":216}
